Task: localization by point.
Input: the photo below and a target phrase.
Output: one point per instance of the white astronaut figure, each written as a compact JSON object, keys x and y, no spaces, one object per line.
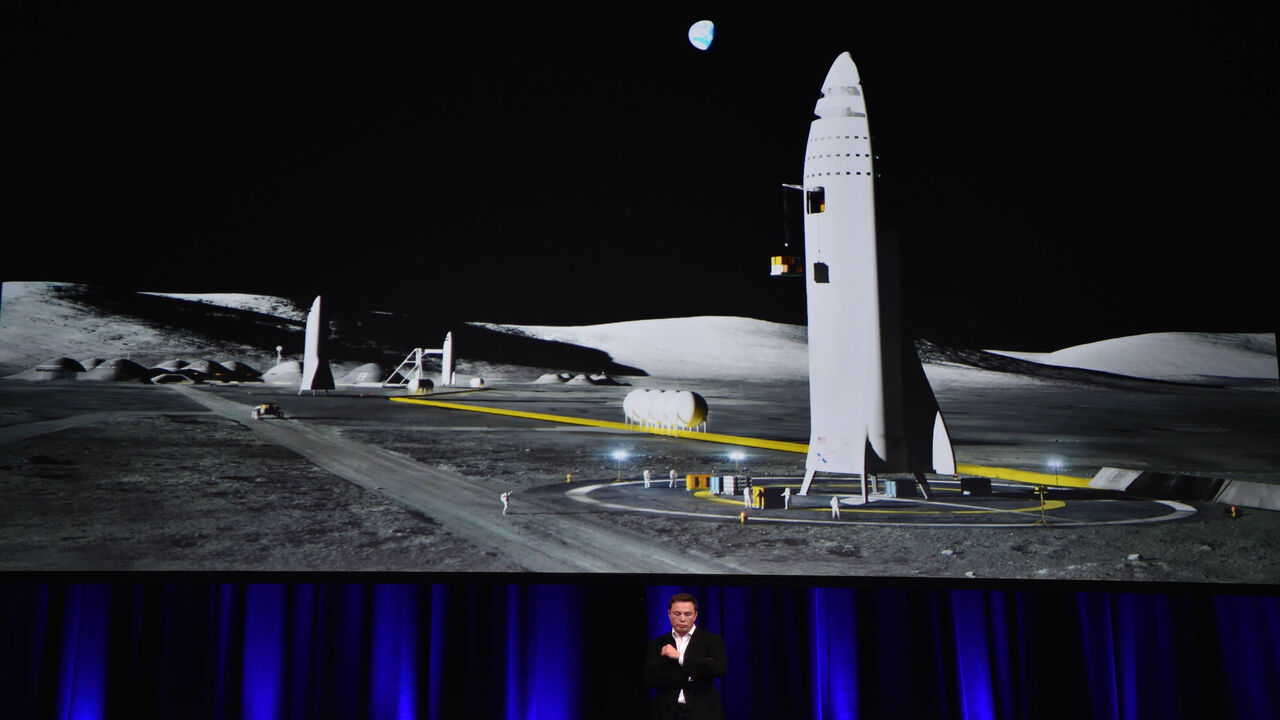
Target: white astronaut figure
{"x":786,"y":498}
{"x":506,"y":501}
{"x":647,"y":477}
{"x":673,"y":478}
{"x":746,"y":496}
{"x":835,"y":507}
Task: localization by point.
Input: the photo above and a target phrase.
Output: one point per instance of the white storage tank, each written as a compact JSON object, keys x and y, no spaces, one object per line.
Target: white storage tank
{"x":665,"y":408}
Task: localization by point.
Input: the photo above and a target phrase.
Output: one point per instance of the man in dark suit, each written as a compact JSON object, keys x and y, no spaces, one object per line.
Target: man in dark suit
{"x":683,"y":666}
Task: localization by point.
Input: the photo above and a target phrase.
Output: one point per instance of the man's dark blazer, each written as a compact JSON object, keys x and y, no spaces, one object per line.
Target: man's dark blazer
{"x":704,"y":661}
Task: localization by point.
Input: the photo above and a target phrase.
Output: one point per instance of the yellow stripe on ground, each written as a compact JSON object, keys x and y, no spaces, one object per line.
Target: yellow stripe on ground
{"x":567,"y":420}
{"x":1024,"y":476}
{"x":1021,"y":476}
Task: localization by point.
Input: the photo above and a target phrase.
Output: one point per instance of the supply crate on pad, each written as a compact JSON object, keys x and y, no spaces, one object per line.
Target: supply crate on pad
{"x":767,"y":498}
{"x":716,"y":486}
{"x":733,"y":484}
{"x":899,"y":488}
{"x":697,"y":482}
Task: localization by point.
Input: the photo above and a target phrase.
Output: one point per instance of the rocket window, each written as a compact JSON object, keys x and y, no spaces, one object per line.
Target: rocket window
{"x":821,"y":273}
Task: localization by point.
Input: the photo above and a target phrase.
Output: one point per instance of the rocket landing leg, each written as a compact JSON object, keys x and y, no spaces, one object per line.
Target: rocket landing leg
{"x":924,"y":486}
{"x":808,"y":478}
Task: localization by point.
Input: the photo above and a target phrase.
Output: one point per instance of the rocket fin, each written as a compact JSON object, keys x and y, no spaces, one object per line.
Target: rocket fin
{"x":944,"y":455}
{"x":928,"y":442}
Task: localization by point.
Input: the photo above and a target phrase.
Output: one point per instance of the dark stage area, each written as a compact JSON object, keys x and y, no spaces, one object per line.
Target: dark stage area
{"x":348,"y":647}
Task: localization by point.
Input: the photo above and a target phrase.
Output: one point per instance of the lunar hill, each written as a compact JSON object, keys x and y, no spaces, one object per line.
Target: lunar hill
{"x":744,"y":348}
{"x":1181,"y":356}
{"x":43,"y":320}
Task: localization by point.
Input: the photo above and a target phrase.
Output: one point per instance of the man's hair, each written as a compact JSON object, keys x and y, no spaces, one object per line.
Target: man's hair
{"x":683,"y":597}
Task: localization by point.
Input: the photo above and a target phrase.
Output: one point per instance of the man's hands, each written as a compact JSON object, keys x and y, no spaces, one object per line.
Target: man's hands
{"x":671,"y":652}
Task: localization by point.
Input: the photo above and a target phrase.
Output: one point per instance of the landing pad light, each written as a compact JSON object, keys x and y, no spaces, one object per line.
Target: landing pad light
{"x":1054,"y":464}
{"x":737,"y":456}
{"x":619,"y":456}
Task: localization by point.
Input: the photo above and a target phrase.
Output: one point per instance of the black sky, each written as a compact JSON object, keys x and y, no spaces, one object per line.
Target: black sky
{"x":1052,"y":177}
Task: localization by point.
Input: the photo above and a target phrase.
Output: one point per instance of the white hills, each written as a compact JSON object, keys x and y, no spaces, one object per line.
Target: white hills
{"x":1179,"y":356}
{"x":689,"y":347}
{"x":42,"y":320}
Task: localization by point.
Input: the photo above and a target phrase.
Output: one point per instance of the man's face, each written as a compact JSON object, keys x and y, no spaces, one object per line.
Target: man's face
{"x":682,"y":615}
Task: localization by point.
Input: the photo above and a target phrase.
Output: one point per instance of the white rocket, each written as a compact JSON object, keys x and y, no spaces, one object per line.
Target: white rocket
{"x":316,"y":374}
{"x":871,"y":407}
{"x":446,"y":361}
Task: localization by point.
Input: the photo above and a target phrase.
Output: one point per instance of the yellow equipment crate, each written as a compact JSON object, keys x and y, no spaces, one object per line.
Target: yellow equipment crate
{"x":766,"y":498}
{"x":697,"y":482}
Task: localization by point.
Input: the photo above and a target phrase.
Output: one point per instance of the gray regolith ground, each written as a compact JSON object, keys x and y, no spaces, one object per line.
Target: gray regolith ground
{"x":144,"y":478}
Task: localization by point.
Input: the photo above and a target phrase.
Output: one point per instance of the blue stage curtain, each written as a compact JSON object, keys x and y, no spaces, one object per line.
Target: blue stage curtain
{"x":573,"y":651}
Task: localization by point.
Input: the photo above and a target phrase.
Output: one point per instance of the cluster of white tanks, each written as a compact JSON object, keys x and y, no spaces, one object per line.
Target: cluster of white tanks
{"x":678,"y":409}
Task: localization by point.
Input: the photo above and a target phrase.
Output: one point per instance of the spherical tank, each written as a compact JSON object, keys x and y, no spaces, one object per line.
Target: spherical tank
{"x":629,"y":405}
{"x":689,"y":409}
{"x":640,"y":402}
{"x":658,"y":413}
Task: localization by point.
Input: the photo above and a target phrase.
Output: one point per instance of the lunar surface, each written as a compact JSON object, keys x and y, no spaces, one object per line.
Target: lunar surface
{"x":132,"y":476}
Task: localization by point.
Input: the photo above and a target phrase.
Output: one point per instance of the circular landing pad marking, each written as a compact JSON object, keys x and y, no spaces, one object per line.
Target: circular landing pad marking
{"x":852,"y":502}
{"x":1086,"y":509}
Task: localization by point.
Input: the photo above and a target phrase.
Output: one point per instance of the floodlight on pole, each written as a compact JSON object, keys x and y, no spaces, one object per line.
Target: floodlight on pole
{"x":736,"y":456}
{"x":619,"y":456}
{"x":1055,"y":463}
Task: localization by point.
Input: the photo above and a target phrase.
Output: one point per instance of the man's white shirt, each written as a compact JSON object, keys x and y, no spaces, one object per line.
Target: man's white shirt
{"x":682,"y":643}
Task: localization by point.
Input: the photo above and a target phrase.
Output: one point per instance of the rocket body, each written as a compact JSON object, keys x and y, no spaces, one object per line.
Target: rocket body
{"x":446,"y":361}
{"x":871,"y":408}
{"x":316,"y":374}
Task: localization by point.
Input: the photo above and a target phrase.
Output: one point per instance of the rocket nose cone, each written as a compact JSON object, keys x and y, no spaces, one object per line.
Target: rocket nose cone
{"x":843,"y":73}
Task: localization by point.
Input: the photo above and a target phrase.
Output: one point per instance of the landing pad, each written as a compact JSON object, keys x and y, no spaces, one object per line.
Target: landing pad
{"x":1008,"y":505}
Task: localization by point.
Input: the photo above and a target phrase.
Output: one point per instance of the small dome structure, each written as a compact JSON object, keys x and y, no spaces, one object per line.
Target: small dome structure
{"x":241,"y":372}
{"x":170,"y":379}
{"x":288,"y":372}
{"x":603,"y":379}
{"x":118,"y":370}
{"x":210,"y":370}
{"x":61,"y":368}
{"x":366,"y":374}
